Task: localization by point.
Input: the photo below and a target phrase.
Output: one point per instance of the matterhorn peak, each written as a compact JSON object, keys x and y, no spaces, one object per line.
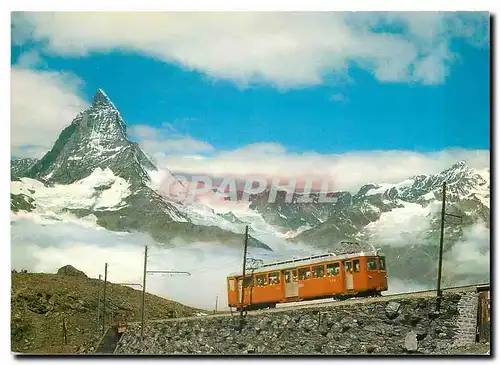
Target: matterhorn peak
{"x":102,"y":99}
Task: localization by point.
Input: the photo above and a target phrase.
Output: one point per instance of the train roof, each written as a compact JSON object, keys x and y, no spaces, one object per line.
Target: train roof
{"x":292,"y":263}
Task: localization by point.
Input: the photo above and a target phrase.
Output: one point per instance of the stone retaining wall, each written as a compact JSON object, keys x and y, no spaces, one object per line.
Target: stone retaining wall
{"x":408,"y":325}
{"x":467,"y":319}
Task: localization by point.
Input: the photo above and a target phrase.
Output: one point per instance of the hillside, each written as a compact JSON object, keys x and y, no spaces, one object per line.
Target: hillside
{"x":40,"y":302}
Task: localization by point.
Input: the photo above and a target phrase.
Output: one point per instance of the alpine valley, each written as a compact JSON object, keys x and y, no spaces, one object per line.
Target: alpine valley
{"x":95,"y":176}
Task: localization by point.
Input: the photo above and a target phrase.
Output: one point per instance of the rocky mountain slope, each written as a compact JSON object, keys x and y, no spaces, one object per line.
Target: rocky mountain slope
{"x":20,"y":166}
{"x":468,"y":194}
{"x":39,"y":302}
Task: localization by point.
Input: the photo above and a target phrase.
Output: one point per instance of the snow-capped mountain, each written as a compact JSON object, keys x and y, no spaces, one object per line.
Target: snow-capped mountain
{"x":96,"y":138}
{"x":468,"y":194}
{"x":94,"y":173}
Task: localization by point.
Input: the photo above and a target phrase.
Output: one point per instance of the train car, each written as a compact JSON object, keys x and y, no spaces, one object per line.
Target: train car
{"x":315,"y":277}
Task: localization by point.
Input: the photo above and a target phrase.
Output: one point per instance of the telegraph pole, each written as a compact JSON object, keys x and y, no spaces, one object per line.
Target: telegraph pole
{"x":242,"y":298}
{"x":144,"y":291}
{"x":440,"y":264}
{"x":441,"y":241}
{"x":98,"y":304}
{"x":145,"y":273}
{"x":104,"y":298}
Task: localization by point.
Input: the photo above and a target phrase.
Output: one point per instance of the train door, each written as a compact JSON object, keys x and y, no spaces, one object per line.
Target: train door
{"x":291,"y":284}
{"x":349,"y":279}
{"x":240,"y":290}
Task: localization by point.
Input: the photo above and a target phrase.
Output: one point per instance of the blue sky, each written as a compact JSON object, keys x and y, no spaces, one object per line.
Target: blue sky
{"x":303,"y":83}
{"x":372,"y":115}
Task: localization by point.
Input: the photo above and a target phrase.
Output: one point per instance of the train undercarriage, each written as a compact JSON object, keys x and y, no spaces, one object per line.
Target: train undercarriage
{"x":365,"y":294}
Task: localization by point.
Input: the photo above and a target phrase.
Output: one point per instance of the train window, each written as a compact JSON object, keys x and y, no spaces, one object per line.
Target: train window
{"x":287,"y":276}
{"x":356,"y":265}
{"x":304,"y":273}
{"x":348,"y":266}
{"x":248,"y":281}
{"x":274,"y":278}
{"x":332,"y":269}
{"x":261,"y":280}
{"x":371,"y":264}
{"x":318,"y":271}
{"x":382,"y":263}
{"x":231,"y":284}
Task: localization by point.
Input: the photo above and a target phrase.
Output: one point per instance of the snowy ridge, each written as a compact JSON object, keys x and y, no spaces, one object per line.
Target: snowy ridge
{"x":102,"y":190}
{"x":462,"y":183}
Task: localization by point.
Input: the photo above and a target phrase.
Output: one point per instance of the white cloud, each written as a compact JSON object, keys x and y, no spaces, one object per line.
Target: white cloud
{"x":142,"y":131}
{"x":471,"y":255}
{"x":345,"y":171}
{"x":42,"y":104}
{"x":163,"y":141}
{"x":284,"y":49}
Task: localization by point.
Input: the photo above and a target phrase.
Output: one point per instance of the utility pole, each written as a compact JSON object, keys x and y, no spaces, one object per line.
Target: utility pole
{"x":104,"y":298}
{"x":242,"y":298}
{"x":98,"y":304}
{"x":440,"y":264}
{"x":441,"y":241}
{"x":145,"y":273}
{"x":216,"y":299}
{"x":144,"y":291}
{"x":254,"y":264}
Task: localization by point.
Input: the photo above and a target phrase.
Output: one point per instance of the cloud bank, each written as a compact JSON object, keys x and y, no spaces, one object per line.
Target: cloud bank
{"x":285,"y":49}
{"x":43,"y":103}
{"x":347,"y":171}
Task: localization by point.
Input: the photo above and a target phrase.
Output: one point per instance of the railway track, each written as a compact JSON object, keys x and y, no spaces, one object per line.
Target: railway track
{"x":331,"y":303}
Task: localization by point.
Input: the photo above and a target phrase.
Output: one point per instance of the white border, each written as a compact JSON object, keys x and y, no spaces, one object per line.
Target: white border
{"x":212,"y":5}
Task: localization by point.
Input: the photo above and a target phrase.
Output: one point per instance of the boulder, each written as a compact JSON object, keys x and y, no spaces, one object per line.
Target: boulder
{"x":392,"y":310}
{"x":69,"y":270}
{"x":411,"y":342}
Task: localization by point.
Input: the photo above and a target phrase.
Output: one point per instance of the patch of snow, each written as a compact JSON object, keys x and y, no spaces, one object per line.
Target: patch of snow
{"x":398,"y":223}
{"x":429,"y":196}
{"x":79,"y":195}
{"x":294,"y":233}
{"x":383,"y":187}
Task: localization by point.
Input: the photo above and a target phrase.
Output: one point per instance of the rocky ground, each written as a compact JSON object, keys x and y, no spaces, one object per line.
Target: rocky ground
{"x":408,"y":326}
{"x":41,"y":303}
